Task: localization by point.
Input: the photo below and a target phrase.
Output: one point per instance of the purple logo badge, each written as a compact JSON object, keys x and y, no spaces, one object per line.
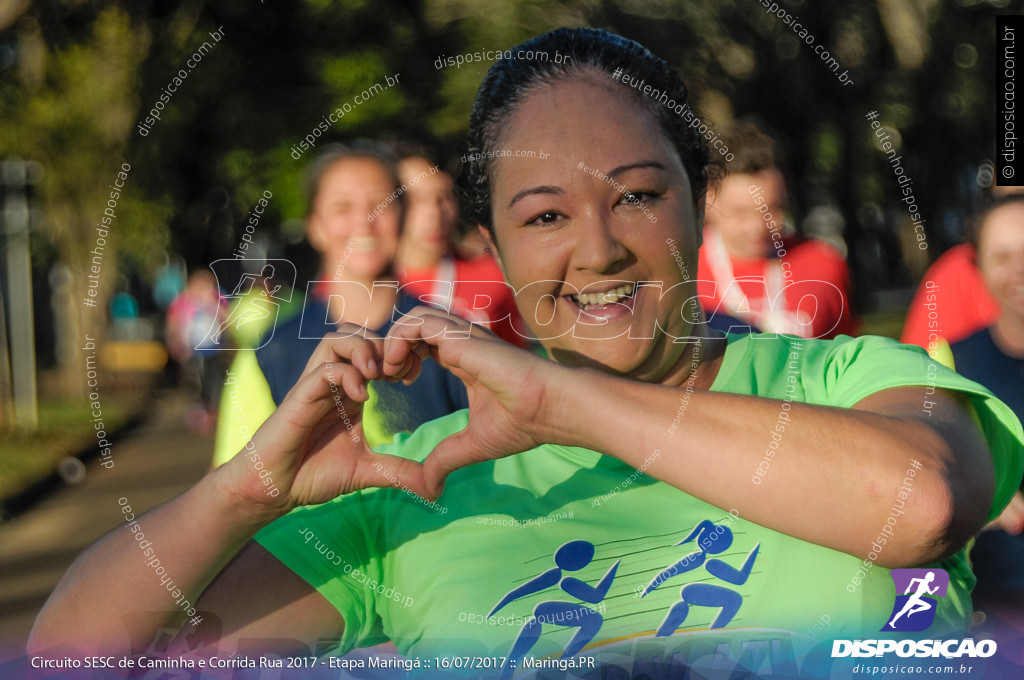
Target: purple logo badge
{"x":917,"y":593}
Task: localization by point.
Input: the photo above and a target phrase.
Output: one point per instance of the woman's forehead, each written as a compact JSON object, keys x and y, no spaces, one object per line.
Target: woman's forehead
{"x":355,"y":172}
{"x":580,"y":121}
{"x":589,"y":95}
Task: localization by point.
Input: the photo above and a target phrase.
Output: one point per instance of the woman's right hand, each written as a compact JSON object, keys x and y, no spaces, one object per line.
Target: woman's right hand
{"x":313,"y":445}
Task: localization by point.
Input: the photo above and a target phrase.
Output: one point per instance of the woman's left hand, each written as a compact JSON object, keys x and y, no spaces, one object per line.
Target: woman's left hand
{"x":509,"y":388}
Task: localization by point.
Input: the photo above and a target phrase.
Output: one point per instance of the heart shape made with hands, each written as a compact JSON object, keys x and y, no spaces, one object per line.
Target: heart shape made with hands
{"x":316,"y":448}
{"x":505,"y":386}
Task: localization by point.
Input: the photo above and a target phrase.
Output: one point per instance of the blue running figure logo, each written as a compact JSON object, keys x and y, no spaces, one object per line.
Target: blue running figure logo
{"x":924,"y":583}
{"x":712,"y":539}
{"x":570,"y":556}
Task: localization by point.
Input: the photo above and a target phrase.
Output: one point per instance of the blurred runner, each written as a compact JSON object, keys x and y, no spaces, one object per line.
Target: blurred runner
{"x":470,"y":288}
{"x":750,"y":268}
{"x":994,"y":357}
{"x":357,"y":236}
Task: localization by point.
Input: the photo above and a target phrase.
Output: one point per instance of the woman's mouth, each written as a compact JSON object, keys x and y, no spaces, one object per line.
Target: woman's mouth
{"x":592,"y":301}
{"x":608,"y":303}
{"x":362,"y":244}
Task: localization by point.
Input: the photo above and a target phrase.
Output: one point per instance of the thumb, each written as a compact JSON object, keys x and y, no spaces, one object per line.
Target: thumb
{"x":452,"y":453}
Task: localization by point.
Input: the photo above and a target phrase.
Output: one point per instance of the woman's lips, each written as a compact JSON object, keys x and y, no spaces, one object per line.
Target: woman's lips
{"x":607,"y":305}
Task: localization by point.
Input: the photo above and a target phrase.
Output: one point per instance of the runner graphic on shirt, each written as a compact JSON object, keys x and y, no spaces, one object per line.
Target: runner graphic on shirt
{"x":712,"y":539}
{"x":570,"y":556}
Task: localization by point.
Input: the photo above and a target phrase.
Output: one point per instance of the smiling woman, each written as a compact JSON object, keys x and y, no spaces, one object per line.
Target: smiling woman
{"x":543,"y":437}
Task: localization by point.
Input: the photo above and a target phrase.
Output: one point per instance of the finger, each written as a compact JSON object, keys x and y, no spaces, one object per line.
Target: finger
{"x":351,"y":380}
{"x":402,"y":357}
{"x":452,"y":453}
{"x":346,"y":392}
{"x":430,"y":325}
{"x":386,"y":471}
{"x":420,"y":334}
{"x":396,"y":356}
{"x":353,"y":344}
{"x":305,"y":406}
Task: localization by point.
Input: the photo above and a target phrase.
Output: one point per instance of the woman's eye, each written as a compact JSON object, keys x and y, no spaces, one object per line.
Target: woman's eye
{"x":548,"y":217}
{"x":637,"y":197}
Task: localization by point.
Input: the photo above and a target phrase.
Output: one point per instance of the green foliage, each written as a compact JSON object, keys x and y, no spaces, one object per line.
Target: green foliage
{"x":86,"y":76}
{"x":357,"y":75}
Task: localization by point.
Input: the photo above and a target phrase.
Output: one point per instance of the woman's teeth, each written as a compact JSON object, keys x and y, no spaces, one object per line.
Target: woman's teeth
{"x":591,"y":300}
{"x":363,"y":243}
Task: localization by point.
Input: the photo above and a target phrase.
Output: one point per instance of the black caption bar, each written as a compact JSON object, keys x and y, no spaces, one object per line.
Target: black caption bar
{"x":1008,"y":153}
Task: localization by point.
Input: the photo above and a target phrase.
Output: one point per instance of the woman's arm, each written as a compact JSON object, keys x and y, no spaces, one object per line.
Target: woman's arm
{"x":114,"y":596}
{"x":113,"y":599}
{"x":833,"y":480}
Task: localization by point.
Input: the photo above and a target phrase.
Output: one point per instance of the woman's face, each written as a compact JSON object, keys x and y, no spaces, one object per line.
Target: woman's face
{"x":733,"y":211}
{"x":353,"y":246}
{"x":1001,"y":257}
{"x":562,"y":230}
{"x":430,"y":210}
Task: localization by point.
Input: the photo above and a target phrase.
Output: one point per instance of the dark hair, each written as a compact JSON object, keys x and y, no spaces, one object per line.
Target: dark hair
{"x":978,"y":221}
{"x":511,"y":79}
{"x":752,"y":148}
{"x":360,"y":148}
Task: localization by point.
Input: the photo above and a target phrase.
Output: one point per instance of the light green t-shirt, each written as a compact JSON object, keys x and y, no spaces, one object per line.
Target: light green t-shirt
{"x":554,"y":529}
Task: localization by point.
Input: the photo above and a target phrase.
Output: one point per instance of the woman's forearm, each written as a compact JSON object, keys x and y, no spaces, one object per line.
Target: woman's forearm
{"x":148,"y":572}
{"x":826,"y":475}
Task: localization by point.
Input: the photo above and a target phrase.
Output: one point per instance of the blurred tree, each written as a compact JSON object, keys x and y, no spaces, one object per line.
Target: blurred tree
{"x":70,"y":106}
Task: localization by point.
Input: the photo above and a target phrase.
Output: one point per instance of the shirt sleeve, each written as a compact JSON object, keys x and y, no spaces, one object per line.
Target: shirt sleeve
{"x":326,"y":546}
{"x":857,"y":368}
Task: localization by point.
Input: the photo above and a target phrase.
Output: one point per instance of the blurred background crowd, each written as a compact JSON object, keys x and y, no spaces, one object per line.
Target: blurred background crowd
{"x":219,"y":227}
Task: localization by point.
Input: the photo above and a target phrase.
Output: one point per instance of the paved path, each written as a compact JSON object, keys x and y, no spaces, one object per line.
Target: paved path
{"x":155,"y":462}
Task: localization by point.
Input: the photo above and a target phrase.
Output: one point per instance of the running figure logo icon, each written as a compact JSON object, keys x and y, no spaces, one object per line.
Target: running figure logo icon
{"x":256,"y":299}
{"x":914,"y":610}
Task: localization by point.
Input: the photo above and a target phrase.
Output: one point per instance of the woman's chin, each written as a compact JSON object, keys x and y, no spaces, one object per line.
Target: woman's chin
{"x":366,"y":268}
{"x":620,"y":356}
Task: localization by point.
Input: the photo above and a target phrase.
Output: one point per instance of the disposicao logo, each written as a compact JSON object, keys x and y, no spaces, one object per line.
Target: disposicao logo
{"x":914,"y":610}
{"x":917,"y":596}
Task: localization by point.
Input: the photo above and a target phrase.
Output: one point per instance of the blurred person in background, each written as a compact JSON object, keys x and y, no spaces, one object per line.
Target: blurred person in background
{"x":191,"y":316}
{"x":356,"y":285}
{"x":994,"y":357}
{"x":750,"y":268}
{"x":954,"y":290}
{"x":953,"y":300}
{"x":429,"y":269}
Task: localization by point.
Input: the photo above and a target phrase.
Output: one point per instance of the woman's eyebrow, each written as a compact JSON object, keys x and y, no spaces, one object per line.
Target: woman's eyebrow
{"x":545,"y":189}
{"x":633,"y":166}
{"x":549,"y":189}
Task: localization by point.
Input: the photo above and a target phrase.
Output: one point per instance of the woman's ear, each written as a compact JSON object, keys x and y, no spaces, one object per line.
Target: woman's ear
{"x":491,"y":246}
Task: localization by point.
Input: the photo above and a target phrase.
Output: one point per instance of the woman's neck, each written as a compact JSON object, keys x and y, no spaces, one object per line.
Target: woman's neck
{"x":412,"y":257}
{"x":367,"y":303}
{"x":698,"y":365}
